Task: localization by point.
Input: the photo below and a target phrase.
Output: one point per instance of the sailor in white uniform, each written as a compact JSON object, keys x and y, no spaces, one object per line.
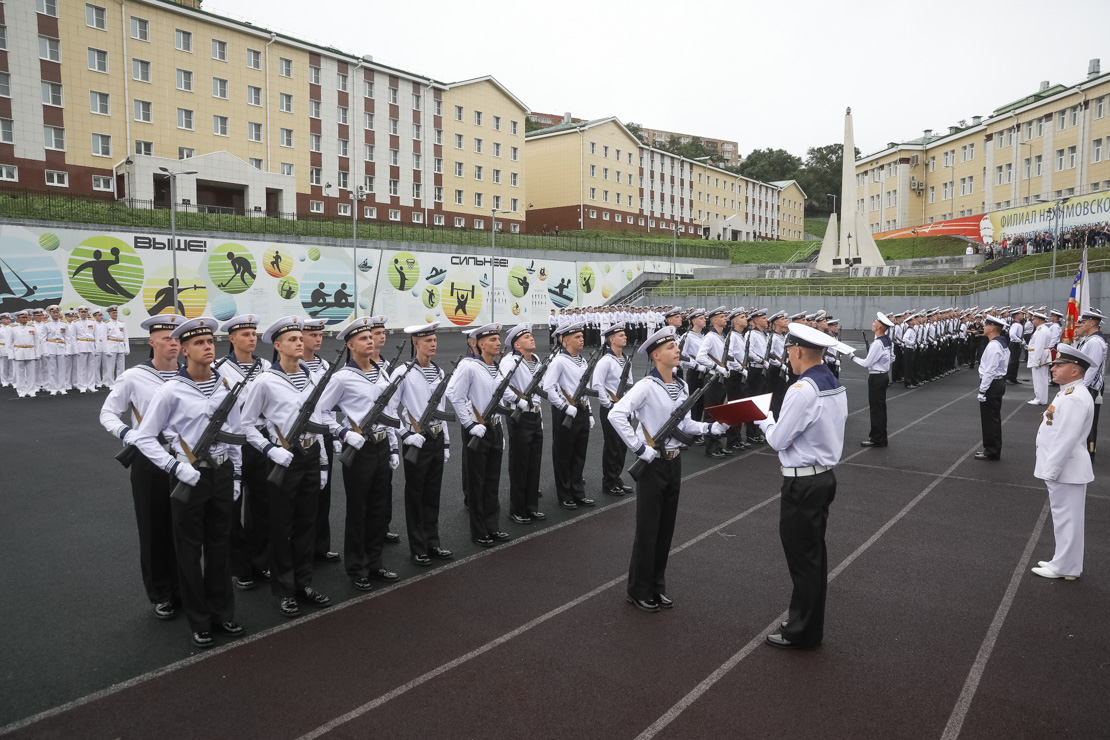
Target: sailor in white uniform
{"x":525,"y":431}
{"x":24,"y":354}
{"x":86,"y":357}
{"x":116,"y":348}
{"x":1040,"y":355}
{"x":877,"y":362}
{"x":5,"y":349}
{"x":606,"y":381}
{"x":1093,"y":343}
{"x":992,"y":386}
{"x":569,"y":444}
{"x":313,"y":334}
{"x":1064,"y":464}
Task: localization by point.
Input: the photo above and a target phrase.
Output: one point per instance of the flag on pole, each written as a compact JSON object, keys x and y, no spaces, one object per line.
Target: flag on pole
{"x":1078,"y":302}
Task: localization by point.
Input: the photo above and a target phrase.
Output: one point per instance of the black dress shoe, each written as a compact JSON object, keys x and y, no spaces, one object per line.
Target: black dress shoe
{"x":585,"y":502}
{"x":484,"y":541}
{"x":440,"y":554}
{"x":985,"y":456}
{"x":664,"y":602}
{"x":381,"y":574}
{"x":330,"y":557}
{"x":165,"y":610}
{"x":520,"y":519}
{"x":311,"y":596}
{"x":699,"y":440}
{"x":715,"y":454}
{"x":568,"y":504}
{"x":643,"y":604}
{"x":288,"y":607}
{"x":614,"y":491}
{"x":727,"y":451}
{"x":758,"y":439}
{"x":392,"y":537}
{"x":869,"y":443}
{"x":781,"y":642}
{"x":203,"y":639}
{"x":422,"y":560}
{"x":229,"y":628}
{"x":537,"y":515}
{"x":362,"y":584}
{"x":243,"y":585}
{"x":626,"y":488}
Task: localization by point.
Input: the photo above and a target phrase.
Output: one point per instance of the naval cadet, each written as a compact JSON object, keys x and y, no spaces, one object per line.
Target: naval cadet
{"x":712,"y":362}
{"x":1063,"y":462}
{"x":525,"y":431}
{"x":569,"y":444}
{"x":132,"y":393}
{"x":181,"y":411}
{"x":1040,"y":355}
{"x":992,"y":386}
{"x":688,"y":347}
{"x":809,"y":437}
{"x":274,"y":402}
{"x":606,"y":381}
{"x":880,"y":355}
{"x":313,"y":334}
{"x":1093,"y":343}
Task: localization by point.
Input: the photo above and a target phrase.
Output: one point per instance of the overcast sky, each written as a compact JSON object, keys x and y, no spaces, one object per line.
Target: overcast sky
{"x":765,"y":74}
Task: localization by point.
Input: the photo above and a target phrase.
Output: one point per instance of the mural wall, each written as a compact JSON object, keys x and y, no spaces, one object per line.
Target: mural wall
{"x":223,"y":278}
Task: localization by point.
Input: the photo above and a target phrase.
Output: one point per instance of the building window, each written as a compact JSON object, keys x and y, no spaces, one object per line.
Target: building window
{"x":254,"y":59}
{"x":394,"y":214}
{"x":343,"y":209}
{"x":367,"y":89}
{"x":1096,"y":150}
{"x":369,"y":212}
{"x":458,"y":169}
{"x":219,"y":88}
{"x":416,"y":163}
{"x":416,"y":192}
{"x":255,"y":162}
{"x":254,"y":95}
{"x":368,"y":183}
{"x":47,"y":7}
{"x":341,"y":115}
{"x":394,"y":188}
{"x":394,"y":156}
{"x":52,"y":94}
{"x":183,"y":40}
{"x":144,"y":111}
{"x":140,"y":70}
{"x":57,"y":179}
{"x":316,"y":206}
{"x":50,"y":49}
{"x":514,"y":153}
{"x":477,"y":172}
{"x":479,"y":224}
{"x":458,"y":197}
{"x":393,"y":95}
{"x":497,"y":177}
{"x":101,"y":145}
{"x":477,"y":146}
{"x":184,"y":80}
{"x":438,"y":219}
{"x":393,"y":126}
{"x":7,"y":132}
{"x":287,"y":168}
{"x":593,"y":170}
{"x":439,"y":136}
{"x":341,"y":82}
{"x":285,"y":67}
{"x":9,"y":173}
{"x":313,"y":75}
{"x":497,"y":202}
{"x":94,"y":17}
{"x":368,"y":121}
{"x":219,"y":50}
{"x":458,"y":112}
{"x":477,"y":118}
{"x":513,"y":179}
{"x":1071,"y":157}
{"x":54,"y":138}
{"x":368,"y":152}
{"x":185,"y":152}
{"x":1059,"y":158}
{"x":184,"y":119}
{"x":438,"y":193}
{"x":593,"y":193}
{"x":458,"y":141}
{"x":219,"y":125}
{"x":460,"y":222}
{"x":437,"y":165}
{"x":102,"y":182}
{"x":285,"y":102}
{"x":314,"y":142}
{"x":341,"y":147}
{"x":254,"y":133}
{"x":416,"y":131}
{"x":1038,"y":165}
{"x":314,"y":176}
{"x":145,"y":148}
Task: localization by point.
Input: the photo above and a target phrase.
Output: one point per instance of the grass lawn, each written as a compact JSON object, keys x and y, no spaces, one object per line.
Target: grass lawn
{"x":817,"y":226}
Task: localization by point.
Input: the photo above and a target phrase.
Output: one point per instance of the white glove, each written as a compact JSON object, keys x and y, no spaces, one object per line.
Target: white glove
{"x":446,"y":454}
{"x":718,"y":370}
{"x":734,"y":365}
{"x":523,"y":404}
{"x":648,"y":454}
{"x":591,"y":421}
{"x":478,"y":430}
{"x":354,"y":439}
{"x":717,"y":428}
{"x":129,"y":437}
{"x":280,"y":456}
{"x":572,"y":411}
{"x":236,"y":490}
{"x":187,"y":474}
{"x":336,"y":446}
{"x":323,"y":479}
{"x":394,"y":461}
{"x":416,"y":440}
{"x":764,"y":423}
{"x":982,"y":398}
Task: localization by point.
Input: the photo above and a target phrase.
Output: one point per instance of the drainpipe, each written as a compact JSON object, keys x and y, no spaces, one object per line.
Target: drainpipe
{"x":273,"y":38}
{"x":581,"y":179}
{"x":126,"y":91}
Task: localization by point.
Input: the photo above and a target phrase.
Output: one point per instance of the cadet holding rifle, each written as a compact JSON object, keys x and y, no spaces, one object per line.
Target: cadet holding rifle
{"x":313,"y":334}
{"x":610,"y":380}
{"x":364,"y":393}
{"x":571,"y":416}
{"x":711,"y":358}
{"x":133,"y":392}
{"x":525,"y":423}
{"x":183,"y":410}
{"x":662,"y":404}
{"x":279,"y":400}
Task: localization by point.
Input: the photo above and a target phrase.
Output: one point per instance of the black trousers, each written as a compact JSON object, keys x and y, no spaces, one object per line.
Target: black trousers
{"x":568,"y":454}
{"x":990,"y":414}
{"x":803,"y":516}
{"x":422,"y":485}
{"x":876,"y":399}
{"x":656,"y":508}
{"x":201,"y":534}
{"x":525,"y":457}
{"x":778,"y":389}
{"x":695,"y":379}
{"x":714,"y":396}
{"x":1092,"y":438}
{"x":150,"y":490}
{"x":483,"y":469}
{"x":896,"y":366}
{"x":757,"y":384}
{"x":368,"y":483}
{"x":293,"y":507}
{"x":612,"y":455}
{"x":1012,"y":365}
{"x":909,"y":356}
{"x":323,"y":505}
{"x":253,"y":557}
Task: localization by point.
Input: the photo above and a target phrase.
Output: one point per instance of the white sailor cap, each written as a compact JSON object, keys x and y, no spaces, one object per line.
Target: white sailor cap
{"x":98,"y":312}
{"x":776,"y":316}
{"x":810,"y":316}
{"x":53,"y":307}
{"x":738,"y":311}
{"x":1066,"y":353}
{"x":574,"y":327}
{"x":714,"y":311}
{"x":696,"y":313}
{"x":488,"y":330}
{"x":245,"y":321}
{"x":82,"y":307}
{"x":1092,"y":314}
{"x":832,"y":322}
{"x":516,"y":332}
{"x":799,"y":315}
{"x":1038,"y":315}
{"x":757,"y":312}
{"x":316,"y":324}
{"x":1054,"y":312}
{"x":422,"y":330}
{"x":359,"y":325}
{"x":198,"y":327}
{"x":613,"y":329}
{"x":997,"y":321}
{"x":284,"y":325}
{"x":807,"y":336}
{"x":22,"y":312}
{"x":5,"y":315}
{"x":112,"y":308}
{"x":657,"y":340}
{"x":161,"y":322}
{"x":820,"y":315}
{"x":882,"y":317}
{"x":675,"y":311}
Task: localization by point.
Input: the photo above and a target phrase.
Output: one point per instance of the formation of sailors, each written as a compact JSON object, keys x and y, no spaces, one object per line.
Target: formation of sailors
{"x":637,"y":321}
{"x":50,"y":352}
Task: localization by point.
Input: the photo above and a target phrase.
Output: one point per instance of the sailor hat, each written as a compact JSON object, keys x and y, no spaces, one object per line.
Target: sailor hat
{"x":1057,"y":313}
{"x":776,"y":316}
{"x":806,"y":336}
{"x":359,"y":325}
{"x":997,"y":321}
{"x":741,"y":311}
{"x":715,"y":311}
{"x":5,"y":315}
{"x":1091,"y":313}
{"x":515,"y":333}
{"x":82,"y":307}
{"x":675,"y":311}
{"x":882,"y":317}
{"x":657,"y":340}
{"x":832,"y":322}
{"x":488,"y":330}
{"x":696,"y":313}
{"x":1038,"y":315}
{"x":613,"y":329}
{"x":162,"y":322}
{"x":1065,"y":353}
{"x":53,"y":307}
{"x":284,"y":325}
{"x":198,"y":327}
{"x":112,"y":308}
{"x":316,"y":324}
{"x":574,"y":327}
{"x":422,"y":330}
{"x":246,"y":321}
{"x":23,"y":312}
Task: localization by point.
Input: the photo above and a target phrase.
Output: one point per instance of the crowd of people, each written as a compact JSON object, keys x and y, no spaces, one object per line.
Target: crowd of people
{"x":1036,"y":242}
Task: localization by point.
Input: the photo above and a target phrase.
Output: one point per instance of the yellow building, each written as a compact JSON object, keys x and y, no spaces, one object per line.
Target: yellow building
{"x":1049,"y":145}
{"x":483,"y":155}
{"x":792,"y":200}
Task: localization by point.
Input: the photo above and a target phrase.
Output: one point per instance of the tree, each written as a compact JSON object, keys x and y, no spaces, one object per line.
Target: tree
{"x":530,"y":125}
{"x":821,"y":175}
{"x":769,"y":165}
{"x":636,"y":130}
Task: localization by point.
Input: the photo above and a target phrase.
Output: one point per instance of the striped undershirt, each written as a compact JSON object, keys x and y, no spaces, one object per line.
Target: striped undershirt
{"x":167,"y":374}
{"x":674,"y":389}
{"x":577,"y":360}
{"x":372,"y":374}
{"x":314,"y":364}
{"x":532,"y":365}
{"x":245,"y":366}
{"x":299,"y":379}
{"x":492,"y":370}
{"x":431,"y":373}
{"x":207,"y":387}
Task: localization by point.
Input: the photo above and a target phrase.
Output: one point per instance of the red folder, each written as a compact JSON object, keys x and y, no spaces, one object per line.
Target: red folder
{"x":742,"y":410}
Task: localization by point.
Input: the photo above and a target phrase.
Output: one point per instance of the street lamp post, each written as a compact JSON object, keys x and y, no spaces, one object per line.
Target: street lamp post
{"x":833,"y":196}
{"x":173,"y":224}
{"x":493,"y":270}
{"x":355,"y":197}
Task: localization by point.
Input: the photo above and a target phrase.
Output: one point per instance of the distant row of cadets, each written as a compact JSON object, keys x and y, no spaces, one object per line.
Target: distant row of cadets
{"x":51,"y":352}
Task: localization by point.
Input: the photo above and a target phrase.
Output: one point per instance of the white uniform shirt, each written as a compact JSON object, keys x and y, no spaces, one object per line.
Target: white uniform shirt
{"x":54,"y":338}
{"x":992,"y":365}
{"x":115,"y":338}
{"x":415,"y":391}
{"x":778,"y":344}
{"x":1062,"y":436}
{"x":810,"y":427}
{"x":24,"y":343}
{"x":651,"y":402}
{"x":470,"y":389}
{"x":607,"y":377}
{"x":757,"y":348}
{"x":5,"y":342}
{"x":711,"y":351}
{"x":1094,"y":346}
{"x":86,"y":335}
{"x":136,"y":386}
{"x":690,"y":344}
{"x":274,"y":402}
{"x":522,"y":378}
{"x":1017,"y":333}
{"x":878,"y":356}
{"x":562,"y":377}
{"x":1056,"y":331}
{"x":909,"y":338}
{"x":354,"y":392}
{"x":1039,"y":346}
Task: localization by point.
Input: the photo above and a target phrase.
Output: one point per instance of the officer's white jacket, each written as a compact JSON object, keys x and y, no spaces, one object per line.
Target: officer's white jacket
{"x":1038,"y":347}
{"x":1094,"y":346}
{"x":135,"y":386}
{"x":1056,"y":331}
{"x":354,"y":392}
{"x":181,"y":410}
{"x":471,"y":387}
{"x":607,"y":377}
{"x":86,"y":335}
{"x":414,"y":393}
{"x":54,"y":337}
{"x":810,"y":427}
{"x":71,"y":338}
{"x":274,"y":402}
{"x":562,"y":377}
{"x":1062,"y":436}
{"x":24,"y":343}
{"x":115,"y":338}
{"x":992,"y":365}
{"x":522,"y":378}
{"x":652,"y":405}
{"x":711,"y":350}
{"x":5,"y":342}
{"x":878,"y":356}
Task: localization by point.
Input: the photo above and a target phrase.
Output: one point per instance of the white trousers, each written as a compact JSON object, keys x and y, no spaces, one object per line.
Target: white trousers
{"x":72,"y":362}
{"x":24,"y":371}
{"x":59,"y":373}
{"x":86,"y":371}
{"x":44,"y":373}
{"x":1068,"y":501}
{"x":111,"y":365}
{"x":5,"y":371}
{"x":1041,"y":377}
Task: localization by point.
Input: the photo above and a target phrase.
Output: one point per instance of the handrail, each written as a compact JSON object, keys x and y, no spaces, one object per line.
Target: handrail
{"x":802,"y":253}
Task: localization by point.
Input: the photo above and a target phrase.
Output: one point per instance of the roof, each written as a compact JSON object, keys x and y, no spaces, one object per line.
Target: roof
{"x":491,"y":79}
{"x":566,"y":128}
{"x":784,"y":184}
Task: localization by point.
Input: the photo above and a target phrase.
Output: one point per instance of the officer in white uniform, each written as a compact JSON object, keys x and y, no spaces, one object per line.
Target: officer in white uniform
{"x":116,"y":348}
{"x":809,"y":437}
{"x":86,"y":357}
{"x":54,"y":365}
{"x":1064,"y":464}
{"x":5,"y":349}
{"x":606,"y":381}
{"x":24,"y":353}
{"x":1040,"y":355}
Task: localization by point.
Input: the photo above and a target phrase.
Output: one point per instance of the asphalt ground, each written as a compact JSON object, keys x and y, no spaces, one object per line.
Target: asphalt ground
{"x":935,"y":626}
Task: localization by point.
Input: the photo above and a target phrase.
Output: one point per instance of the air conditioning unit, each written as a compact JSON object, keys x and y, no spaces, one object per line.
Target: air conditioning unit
{"x":915,"y":160}
{"x":921,"y":186}
{"x":913,"y":183}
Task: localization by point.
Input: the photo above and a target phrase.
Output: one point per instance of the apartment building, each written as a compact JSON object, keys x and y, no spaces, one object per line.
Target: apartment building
{"x":792,"y":200}
{"x":727,"y":152}
{"x":1048,"y":145}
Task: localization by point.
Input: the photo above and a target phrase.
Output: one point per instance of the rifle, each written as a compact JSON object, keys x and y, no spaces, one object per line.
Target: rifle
{"x":199,"y":454}
{"x":393,"y":363}
{"x":767,"y":352}
{"x":494,"y":406}
{"x":624,"y":385}
{"x":669,"y":429}
{"x":865,"y":342}
{"x":376,"y":414}
{"x":303,"y":423}
{"x":127,"y":455}
{"x":533,"y":386}
{"x":431,"y":412}
{"x":583,"y":388}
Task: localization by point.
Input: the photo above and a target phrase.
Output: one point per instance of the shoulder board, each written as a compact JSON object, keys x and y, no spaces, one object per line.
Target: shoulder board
{"x":1068,"y":391}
